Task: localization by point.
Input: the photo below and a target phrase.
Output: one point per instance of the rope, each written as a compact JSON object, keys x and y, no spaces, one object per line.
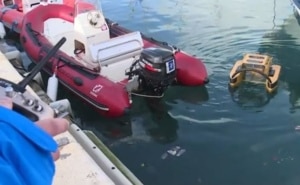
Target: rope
{"x":147,"y":96}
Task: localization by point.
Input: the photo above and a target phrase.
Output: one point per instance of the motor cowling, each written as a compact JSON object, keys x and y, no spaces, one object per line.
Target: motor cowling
{"x":156,"y":70}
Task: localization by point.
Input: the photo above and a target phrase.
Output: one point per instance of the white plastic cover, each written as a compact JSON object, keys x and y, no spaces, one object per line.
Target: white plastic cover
{"x":118,"y":48}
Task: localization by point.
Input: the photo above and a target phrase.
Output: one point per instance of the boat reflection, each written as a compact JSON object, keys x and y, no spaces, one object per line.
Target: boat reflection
{"x":149,"y":118}
{"x":193,"y":95}
{"x":165,"y":130}
{"x":161,"y":127}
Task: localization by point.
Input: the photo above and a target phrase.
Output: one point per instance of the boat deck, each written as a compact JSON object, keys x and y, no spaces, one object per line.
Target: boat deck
{"x":75,"y":165}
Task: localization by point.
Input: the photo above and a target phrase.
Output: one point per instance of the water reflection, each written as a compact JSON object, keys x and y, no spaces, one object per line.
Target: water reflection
{"x":149,"y":120}
{"x":249,"y":95}
{"x":287,"y":56}
{"x":165,"y":125}
{"x":163,"y":128}
{"x":193,"y":95}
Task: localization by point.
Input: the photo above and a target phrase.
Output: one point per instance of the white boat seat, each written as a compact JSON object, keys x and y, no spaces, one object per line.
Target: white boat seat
{"x":117,"y":49}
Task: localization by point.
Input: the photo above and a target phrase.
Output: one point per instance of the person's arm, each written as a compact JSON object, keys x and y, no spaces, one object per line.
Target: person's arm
{"x":26,"y":149}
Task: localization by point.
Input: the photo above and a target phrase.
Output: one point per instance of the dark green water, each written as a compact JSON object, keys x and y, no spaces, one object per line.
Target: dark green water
{"x":247,"y":139}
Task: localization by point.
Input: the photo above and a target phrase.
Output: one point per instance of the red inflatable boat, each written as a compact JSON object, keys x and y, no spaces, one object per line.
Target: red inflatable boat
{"x":101,"y":62}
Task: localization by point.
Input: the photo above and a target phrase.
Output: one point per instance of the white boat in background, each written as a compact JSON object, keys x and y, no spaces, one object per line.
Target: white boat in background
{"x":296,"y":5}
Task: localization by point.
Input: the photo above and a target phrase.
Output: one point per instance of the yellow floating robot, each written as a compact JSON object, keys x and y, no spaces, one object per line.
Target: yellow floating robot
{"x":252,"y":67}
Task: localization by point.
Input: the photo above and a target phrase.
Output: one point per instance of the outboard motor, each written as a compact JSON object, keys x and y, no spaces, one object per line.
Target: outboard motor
{"x":155,"y":71}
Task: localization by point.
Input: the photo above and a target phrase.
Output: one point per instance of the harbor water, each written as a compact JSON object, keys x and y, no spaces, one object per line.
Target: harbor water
{"x":208,"y":135}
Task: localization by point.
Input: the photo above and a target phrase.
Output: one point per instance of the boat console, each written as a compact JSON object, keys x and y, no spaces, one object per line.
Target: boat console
{"x":89,"y":24}
{"x":113,"y":55}
{"x":251,"y":68}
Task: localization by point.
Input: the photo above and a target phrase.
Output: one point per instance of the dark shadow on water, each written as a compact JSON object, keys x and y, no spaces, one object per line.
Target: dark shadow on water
{"x":159,"y":124}
{"x":193,"y":95}
{"x":164,"y":127}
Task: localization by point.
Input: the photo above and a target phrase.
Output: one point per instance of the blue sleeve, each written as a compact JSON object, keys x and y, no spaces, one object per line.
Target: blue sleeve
{"x":25,"y":151}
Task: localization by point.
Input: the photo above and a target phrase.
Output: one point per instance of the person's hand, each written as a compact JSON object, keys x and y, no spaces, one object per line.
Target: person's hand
{"x":6,"y":102}
{"x":52,"y":126}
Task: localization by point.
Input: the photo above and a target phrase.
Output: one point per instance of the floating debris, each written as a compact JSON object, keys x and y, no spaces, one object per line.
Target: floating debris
{"x":164,"y":155}
{"x":180,"y":152}
{"x":297,"y":127}
{"x":174,"y":151}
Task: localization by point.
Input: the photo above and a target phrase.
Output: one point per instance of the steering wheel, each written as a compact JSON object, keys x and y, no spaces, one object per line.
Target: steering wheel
{"x":94,"y":17}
